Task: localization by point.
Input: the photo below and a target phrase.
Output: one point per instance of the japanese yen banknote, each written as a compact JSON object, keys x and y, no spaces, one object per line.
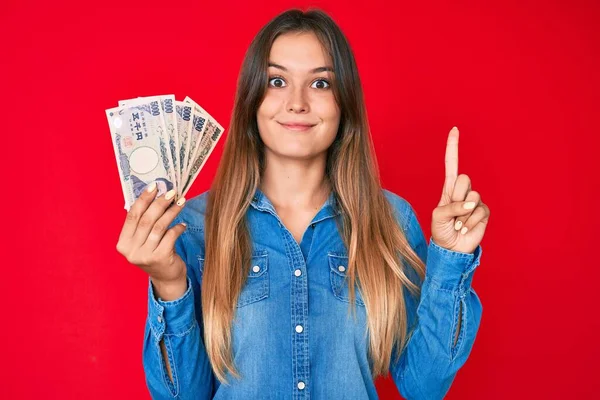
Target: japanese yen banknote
{"x":159,"y":139}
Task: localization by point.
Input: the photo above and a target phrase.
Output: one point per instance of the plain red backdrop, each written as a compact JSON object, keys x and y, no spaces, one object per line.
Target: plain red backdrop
{"x":519,"y":79}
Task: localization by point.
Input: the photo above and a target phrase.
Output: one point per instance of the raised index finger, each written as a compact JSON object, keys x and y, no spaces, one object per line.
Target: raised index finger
{"x":451,"y":160}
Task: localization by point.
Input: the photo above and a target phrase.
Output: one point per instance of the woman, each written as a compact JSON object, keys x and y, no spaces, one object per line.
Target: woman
{"x":252,"y":282}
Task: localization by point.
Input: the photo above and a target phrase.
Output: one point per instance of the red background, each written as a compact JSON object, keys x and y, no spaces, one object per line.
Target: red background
{"x":520,"y":80}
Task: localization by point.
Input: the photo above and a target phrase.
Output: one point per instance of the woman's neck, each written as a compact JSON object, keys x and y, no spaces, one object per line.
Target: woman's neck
{"x":301,"y":185}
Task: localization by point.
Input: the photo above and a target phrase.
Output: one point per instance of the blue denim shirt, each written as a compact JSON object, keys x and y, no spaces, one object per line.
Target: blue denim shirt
{"x":293,"y":337}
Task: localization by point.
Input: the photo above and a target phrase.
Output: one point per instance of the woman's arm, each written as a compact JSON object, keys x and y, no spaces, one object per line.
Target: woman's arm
{"x":174,"y":357}
{"x":446,"y":321}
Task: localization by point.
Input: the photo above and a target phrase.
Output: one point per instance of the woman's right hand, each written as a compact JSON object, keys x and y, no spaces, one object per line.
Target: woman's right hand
{"x":146,"y":242}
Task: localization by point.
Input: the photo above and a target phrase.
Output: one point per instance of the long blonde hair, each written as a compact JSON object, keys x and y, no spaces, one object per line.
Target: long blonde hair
{"x":376,"y":246}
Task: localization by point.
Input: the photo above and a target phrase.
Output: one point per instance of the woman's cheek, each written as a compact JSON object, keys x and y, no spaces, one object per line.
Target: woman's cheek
{"x":326,"y":103}
{"x":269,"y":102}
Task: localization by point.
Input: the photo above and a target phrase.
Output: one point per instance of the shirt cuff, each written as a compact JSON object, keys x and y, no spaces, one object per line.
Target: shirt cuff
{"x":173,"y":317}
{"x":451,"y":269}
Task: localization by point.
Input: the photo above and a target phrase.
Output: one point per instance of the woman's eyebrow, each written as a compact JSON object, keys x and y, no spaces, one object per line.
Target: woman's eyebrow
{"x":312,"y":71}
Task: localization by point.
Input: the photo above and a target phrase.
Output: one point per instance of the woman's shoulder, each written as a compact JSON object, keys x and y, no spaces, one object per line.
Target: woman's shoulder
{"x":402,"y":208}
{"x":197,"y":204}
{"x":194,"y":211}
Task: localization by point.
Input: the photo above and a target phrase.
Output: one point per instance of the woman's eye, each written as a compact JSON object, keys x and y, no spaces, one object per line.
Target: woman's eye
{"x":320,"y":84}
{"x":277,"y":82}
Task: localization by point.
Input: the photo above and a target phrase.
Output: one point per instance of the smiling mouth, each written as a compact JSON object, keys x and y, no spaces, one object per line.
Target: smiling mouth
{"x":297,"y":127}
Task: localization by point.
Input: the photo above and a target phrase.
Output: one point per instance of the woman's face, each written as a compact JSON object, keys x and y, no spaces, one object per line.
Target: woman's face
{"x":298,"y":117}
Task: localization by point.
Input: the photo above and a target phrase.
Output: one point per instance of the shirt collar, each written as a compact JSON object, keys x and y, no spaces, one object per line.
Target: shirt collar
{"x":329,"y":209}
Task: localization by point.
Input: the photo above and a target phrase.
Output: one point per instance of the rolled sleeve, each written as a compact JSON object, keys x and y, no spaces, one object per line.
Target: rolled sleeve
{"x":174,"y":317}
{"x":451,"y":269}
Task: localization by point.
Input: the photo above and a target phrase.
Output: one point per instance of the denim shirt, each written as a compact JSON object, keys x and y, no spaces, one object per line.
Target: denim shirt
{"x":292,"y":336}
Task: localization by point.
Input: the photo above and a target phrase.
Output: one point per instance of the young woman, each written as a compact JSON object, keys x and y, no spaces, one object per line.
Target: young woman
{"x":251,"y":284}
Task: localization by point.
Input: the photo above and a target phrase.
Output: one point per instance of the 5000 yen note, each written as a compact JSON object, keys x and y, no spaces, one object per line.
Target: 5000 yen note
{"x":138,"y":137}
{"x":167,"y":105}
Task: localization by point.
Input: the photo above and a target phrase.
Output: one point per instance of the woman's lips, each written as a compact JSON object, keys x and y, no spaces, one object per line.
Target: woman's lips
{"x":297,"y":127}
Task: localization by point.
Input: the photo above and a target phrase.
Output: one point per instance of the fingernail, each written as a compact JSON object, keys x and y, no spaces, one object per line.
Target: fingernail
{"x":464,"y":230}
{"x":457,"y":225}
{"x":181,"y":201}
{"x":170,"y":194}
{"x":469,"y":205}
{"x":151,"y":187}
{"x":184,"y":224}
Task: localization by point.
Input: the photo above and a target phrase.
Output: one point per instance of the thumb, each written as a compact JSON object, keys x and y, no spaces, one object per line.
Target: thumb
{"x":455,"y":209}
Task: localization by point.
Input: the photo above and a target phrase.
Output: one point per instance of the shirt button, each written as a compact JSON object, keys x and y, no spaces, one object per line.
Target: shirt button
{"x":256,"y":268}
{"x":299,"y":328}
{"x":301,"y":385}
{"x":159,"y":319}
{"x":297,"y":272}
{"x":341,"y":268}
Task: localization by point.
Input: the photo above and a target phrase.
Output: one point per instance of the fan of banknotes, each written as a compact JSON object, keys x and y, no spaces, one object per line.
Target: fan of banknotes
{"x":159,"y":139}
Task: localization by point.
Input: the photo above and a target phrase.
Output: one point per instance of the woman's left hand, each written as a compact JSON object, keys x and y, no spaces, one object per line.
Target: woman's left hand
{"x":452,"y":226}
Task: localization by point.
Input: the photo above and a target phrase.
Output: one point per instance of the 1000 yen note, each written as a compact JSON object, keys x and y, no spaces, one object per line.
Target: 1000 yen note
{"x":138,"y":136}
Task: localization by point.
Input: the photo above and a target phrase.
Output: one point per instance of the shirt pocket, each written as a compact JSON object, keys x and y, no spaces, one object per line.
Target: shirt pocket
{"x":257,"y":284}
{"x":338,"y":265}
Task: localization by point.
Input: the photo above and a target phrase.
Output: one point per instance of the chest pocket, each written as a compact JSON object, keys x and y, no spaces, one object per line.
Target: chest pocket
{"x":257,"y":284}
{"x":338,"y":265}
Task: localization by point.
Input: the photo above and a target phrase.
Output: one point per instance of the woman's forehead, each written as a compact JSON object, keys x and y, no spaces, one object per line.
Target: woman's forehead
{"x":299,"y":51}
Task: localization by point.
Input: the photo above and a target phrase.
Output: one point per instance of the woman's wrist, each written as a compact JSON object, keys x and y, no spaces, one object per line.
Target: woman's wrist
{"x":169,"y":291}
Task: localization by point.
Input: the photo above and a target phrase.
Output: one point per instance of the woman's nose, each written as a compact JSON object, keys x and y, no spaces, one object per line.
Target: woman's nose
{"x":297,"y":101}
